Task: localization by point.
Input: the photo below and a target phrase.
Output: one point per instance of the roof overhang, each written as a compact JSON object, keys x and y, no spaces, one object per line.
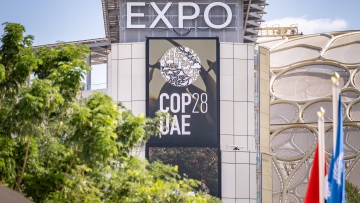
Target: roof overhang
{"x":111,"y":14}
{"x":99,"y":47}
{"x":253,"y":12}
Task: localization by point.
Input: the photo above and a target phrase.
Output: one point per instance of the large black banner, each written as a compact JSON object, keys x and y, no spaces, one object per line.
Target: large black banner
{"x":183,"y":80}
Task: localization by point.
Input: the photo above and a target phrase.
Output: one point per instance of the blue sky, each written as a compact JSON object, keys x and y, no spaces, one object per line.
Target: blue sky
{"x":51,"y":21}
{"x":69,"y":20}
{"x":315,"y":9}
{"x":314,"y":16}
{"x":55,"y":20}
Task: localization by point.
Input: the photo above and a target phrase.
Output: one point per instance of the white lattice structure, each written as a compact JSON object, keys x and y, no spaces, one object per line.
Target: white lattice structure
{"x":301,"y":68}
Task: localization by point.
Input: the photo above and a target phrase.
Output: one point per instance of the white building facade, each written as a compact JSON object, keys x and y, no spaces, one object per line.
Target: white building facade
{"x":128,"y":24}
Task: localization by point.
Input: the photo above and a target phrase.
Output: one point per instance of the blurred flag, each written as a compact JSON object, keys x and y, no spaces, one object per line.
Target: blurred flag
{"x":312,"y":191}
{"x":336,"y":178}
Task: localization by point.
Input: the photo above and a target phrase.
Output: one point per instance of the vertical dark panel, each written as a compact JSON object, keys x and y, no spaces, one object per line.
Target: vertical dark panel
{"x":182,"y":80}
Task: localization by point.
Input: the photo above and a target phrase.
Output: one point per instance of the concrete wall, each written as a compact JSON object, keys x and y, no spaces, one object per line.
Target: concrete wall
{"x":266,"y":172}
{"x":237,"y":122}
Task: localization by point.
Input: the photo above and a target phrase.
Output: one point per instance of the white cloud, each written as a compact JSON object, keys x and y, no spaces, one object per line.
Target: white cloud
{"x":310,"y":26}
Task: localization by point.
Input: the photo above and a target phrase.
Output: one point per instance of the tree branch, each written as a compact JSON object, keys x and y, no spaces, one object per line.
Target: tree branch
{"x":17,"y":184}
{"x":71,"y":163}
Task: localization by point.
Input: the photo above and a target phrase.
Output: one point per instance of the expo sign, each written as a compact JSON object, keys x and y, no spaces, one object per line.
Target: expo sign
{"x":181,"y":16}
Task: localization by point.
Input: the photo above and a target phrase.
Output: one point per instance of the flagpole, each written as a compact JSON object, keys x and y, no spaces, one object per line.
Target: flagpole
{"x":336,"y":91}
{"x":321,"y":153}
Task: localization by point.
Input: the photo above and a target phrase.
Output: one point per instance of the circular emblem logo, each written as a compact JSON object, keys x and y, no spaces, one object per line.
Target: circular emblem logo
{"x":180,"y":66}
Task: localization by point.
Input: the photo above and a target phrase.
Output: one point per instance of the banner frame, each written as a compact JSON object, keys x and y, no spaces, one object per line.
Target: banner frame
{"x":194,"y":145}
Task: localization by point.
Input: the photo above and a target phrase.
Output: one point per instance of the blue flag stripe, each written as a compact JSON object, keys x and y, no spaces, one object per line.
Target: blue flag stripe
{"x":336,"y":176}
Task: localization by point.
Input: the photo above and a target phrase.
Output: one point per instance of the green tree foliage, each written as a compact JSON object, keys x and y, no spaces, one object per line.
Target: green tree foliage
{"x":352,"y":193}
{"x":55,"y":147}
{"x":197,"y":163}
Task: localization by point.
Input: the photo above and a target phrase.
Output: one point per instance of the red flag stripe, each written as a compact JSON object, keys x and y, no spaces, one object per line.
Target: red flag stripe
{"x":312,"y":191}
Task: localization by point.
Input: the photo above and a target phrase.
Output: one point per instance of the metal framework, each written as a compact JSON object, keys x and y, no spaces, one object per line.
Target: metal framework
{"x":292,"y":119}
{"x":111,"y":13}
{"x":253,"y":12}
{"x":277,"y":31}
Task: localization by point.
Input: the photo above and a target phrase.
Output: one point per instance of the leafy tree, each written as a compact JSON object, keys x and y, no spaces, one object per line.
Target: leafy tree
{"x":199,"y":163}
{"x":352,"y":193}
{"x":56,"y":147}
